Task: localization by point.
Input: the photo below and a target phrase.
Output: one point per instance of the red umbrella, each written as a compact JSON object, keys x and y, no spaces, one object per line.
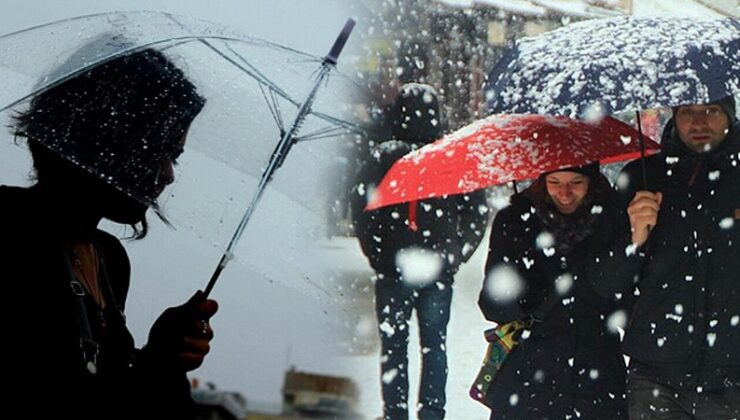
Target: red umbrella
{"x":505,"y":148}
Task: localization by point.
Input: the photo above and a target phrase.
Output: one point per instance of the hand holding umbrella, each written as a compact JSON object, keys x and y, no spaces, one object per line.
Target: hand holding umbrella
{"x":181,"y":335}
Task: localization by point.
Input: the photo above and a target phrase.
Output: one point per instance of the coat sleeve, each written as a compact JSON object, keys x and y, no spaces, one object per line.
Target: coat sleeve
{"x":615,"y":264}
{"x":473,"y":214}
{"x":510,"y":258}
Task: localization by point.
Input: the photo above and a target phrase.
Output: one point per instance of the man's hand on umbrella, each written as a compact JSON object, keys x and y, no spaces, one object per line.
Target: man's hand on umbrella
{"x":181,"y":335}
{"x":643,"y":213}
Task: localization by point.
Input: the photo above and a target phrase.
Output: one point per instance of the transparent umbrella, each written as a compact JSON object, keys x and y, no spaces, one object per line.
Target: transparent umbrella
{"x":261,"y":98}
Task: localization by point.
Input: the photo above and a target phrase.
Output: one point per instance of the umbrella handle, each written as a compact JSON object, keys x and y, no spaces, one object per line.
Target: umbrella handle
{"x":641,"y":138}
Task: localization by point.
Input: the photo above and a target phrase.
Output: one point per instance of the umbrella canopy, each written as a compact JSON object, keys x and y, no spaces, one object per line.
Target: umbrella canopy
{"x":253,"y":90}
{"x":614,"y":65}
{"x":504,"y":148}
{"x":247,"y":82}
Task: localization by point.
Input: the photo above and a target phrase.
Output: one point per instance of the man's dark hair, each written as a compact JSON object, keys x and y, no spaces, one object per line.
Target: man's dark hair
{"x":117,"y":121}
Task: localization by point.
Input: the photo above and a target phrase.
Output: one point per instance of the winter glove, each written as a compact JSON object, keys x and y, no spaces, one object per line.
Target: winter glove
{"x":180,"y":337}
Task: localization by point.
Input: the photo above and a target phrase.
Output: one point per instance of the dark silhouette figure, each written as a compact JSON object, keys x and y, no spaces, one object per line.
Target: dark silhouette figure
{"x":103,"y":145}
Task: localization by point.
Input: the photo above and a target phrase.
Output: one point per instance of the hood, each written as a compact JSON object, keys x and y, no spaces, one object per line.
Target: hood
{"x":415,"y":115}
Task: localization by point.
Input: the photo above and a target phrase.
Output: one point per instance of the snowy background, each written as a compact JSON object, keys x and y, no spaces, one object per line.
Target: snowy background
{"x":312,"y":306}
{"x":465,"y":343}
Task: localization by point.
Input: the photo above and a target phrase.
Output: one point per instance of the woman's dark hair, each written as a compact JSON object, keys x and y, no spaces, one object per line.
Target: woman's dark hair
{"x":118,"y":121}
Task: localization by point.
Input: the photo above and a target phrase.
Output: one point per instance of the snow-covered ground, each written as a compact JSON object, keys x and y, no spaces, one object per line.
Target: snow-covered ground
{"x":465,"y":335}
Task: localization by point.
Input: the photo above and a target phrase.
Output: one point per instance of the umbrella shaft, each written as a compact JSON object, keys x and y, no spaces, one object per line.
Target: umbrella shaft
{"x":278,"y":156}
{"x":642,"y":151}
{"x":216,"y":274}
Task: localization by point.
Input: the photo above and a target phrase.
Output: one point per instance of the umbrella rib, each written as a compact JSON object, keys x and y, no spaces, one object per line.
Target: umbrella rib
{"x":256,"y":74}
{"x":270,"y":106}
{"x":347,"y":125}
{"x":279,"y":114}
{"x":354,"y":128}
{"x":324,"y":133}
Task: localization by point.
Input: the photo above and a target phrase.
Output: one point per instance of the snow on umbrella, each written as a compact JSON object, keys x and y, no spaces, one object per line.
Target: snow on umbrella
{"x":247,"y":82}
{"x":614,"y":65}
{"x":501,"y":149}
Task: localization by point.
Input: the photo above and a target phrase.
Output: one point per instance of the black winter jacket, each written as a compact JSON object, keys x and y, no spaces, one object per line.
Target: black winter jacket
{"x":452,"y":226}
{"x":569,"y":360}
{"x":45,"y":373}
{"x":684,"y":330}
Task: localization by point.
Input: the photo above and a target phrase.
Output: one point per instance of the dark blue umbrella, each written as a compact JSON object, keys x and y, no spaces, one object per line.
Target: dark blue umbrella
{"x":609,"y":66}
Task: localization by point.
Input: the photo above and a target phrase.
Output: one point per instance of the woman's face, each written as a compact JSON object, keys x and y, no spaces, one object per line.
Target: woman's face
{"x":123,"y":209}
{"x":166,"y":172}
{"x":567,"y":190}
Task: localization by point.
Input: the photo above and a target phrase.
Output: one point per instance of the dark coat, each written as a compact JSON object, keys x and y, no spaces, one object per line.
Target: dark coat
{"x":45,"y":373}
{"x":452,"y":226}
{"x":568,"y":360}
{"x":684,"y":329}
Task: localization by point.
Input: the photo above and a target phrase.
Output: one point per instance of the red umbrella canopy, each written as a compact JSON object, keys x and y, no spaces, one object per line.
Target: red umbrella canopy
{"x":505,"y":148}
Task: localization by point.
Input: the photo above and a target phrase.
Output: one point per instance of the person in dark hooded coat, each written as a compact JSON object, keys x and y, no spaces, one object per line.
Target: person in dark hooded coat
{"x":676,"y":246}
{"x":568,"y":364}
{"x":415,"y":250}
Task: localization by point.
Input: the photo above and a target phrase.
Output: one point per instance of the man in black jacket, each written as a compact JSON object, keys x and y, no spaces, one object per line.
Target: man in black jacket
{"x":677,"y":248}
{"x":415,"y":249}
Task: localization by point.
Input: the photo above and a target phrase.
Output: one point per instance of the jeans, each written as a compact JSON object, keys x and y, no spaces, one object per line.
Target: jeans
{"x":394,"y":302}
{"x":650,"y":400}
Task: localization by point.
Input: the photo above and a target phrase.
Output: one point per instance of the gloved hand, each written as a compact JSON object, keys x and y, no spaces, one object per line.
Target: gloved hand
{"x":180,"y":337}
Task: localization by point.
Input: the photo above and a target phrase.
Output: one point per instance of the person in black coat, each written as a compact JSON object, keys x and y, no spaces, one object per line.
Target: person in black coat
{"x":676,"y":246}
{"x":569,"y":363}
{"x":97,"y":140}
{"x":415,"y":250}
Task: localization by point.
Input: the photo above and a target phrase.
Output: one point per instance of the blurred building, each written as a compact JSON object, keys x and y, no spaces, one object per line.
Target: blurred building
{"x":470,"y":36}
{"x":308,"y":395}
{"x":305,"y":396}
{"x":726,"y":7}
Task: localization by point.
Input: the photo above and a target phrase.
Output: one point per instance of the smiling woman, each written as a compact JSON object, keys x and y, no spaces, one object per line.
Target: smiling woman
{"x":103,"y":144}
{"x":567,"y":190}
{"x":568,"y":363}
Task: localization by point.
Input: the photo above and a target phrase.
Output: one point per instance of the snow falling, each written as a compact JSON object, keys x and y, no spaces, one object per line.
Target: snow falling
{"x":504,"y":284}
{"x":418,"y":266}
